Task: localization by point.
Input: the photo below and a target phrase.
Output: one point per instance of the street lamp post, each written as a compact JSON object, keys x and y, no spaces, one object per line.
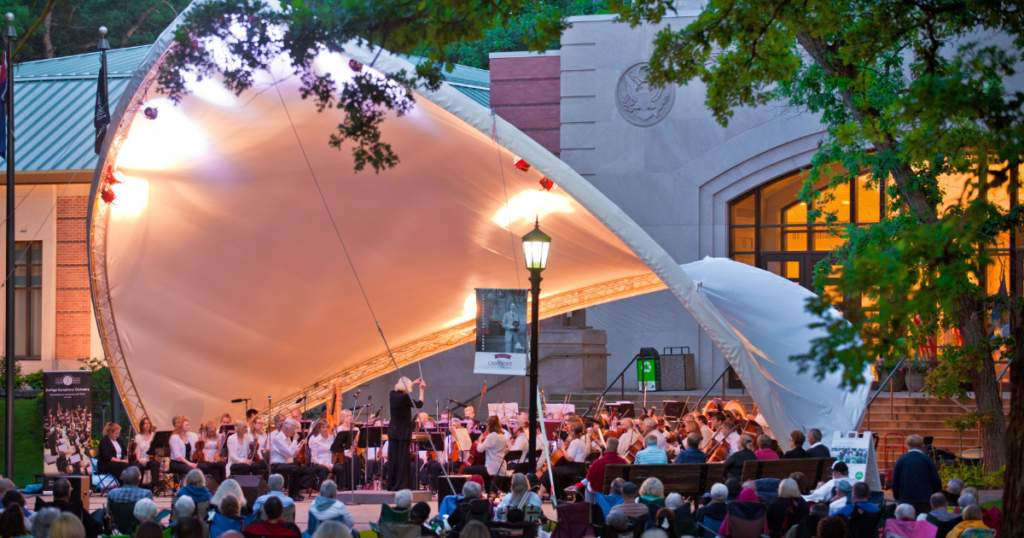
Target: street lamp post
{"x":535,"y":246}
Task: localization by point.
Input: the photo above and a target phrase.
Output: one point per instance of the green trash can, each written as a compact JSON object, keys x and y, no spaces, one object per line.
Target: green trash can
{"x":648,"y":370}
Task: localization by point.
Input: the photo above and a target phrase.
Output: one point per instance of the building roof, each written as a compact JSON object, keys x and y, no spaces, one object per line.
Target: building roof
{"x":54,"y":104}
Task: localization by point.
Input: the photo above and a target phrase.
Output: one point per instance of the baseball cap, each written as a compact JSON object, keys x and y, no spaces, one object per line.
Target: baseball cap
{"x":840,"y":467}
{"x":844,"y":486}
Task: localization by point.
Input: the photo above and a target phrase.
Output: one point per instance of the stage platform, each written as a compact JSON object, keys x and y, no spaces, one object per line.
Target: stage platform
{"x":376,"y":496}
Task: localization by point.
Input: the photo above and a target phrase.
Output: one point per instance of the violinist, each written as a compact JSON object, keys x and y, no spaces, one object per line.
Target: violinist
{"x":143,"y":440}
{"x":284,"y":446}
{"x":240,"y":454}
{"x":113,"y":458}
{"x":628,"y":436}
{"x":651,"y":428}
{"x":732,"y":437}
{"x":493,"y":445}
{"x":213,"y":464}
{"x":522,"y":439}
{"x":576,"y":451}
{"x":183,"y":444}
{"x":345,"y":425}
{"x":320,"y":457}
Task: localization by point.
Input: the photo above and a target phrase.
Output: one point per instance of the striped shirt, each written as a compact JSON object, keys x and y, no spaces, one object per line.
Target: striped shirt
{"x":651,"y":455}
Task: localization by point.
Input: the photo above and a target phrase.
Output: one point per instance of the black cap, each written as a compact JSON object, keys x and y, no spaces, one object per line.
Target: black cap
{"x":840,"y":467}
{"x":420,"y":511}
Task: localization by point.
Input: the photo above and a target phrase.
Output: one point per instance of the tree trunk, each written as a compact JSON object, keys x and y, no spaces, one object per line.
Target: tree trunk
{"x":47,"y":37}
{"x":992,"y":421}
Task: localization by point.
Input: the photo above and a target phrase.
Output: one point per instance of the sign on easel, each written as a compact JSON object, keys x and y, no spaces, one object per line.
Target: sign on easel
{"x":857,"y":451}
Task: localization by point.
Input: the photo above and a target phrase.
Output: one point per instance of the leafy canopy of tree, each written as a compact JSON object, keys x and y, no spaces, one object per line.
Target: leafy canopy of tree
{"x":913,"y":93}
{"x":67,"y":27}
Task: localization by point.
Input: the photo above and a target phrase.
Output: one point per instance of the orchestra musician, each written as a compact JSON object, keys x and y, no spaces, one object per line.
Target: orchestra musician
{"x":113,"y":458}
{"x":240,"y":453}
{"x":522,"y":439}
{"x":493,"y":445}
{"x":628,"y":436}
{"x":400,"y":434}
{"x":470,"y":422}
{"x":213,"y":464}
{"x":575,"y":450}
{"x":144,"y":440}
{"x":284,"y":446}
{"x":183,"y":444}
{"x":320,"y":456}
{"x":345,"y":425}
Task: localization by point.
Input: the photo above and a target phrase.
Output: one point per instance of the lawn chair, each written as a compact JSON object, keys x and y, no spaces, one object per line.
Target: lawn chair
{"x":575,"y":521}
{"x":863,"y":524}
{"x":895,"y":528}
{"x":123,"y":516}
{"x":394,"y":524}
{"x":746,"y":519}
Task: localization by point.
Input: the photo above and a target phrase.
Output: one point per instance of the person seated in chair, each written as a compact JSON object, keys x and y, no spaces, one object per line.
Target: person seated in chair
{"x":62,"y":501}
{"x":129,"y":492}
{"x":195,"y":487}
{"x":860,"y":502}
{"x":817,"y":450}
{"x":717,"y":509}
{"x":630,"y":506}
{"x":691,"y":453}
{"x":326,"y":508}
{"x":796,"y":440}
{"x":418,"y":515}
{"x":652,"y":455}
{"x":470,"y":507}
{"x":273,"y":526}
{"x":227,"y":517}
{"x":973,"y":519}
{"x":146,"y":510}
{"x":276,"y":487}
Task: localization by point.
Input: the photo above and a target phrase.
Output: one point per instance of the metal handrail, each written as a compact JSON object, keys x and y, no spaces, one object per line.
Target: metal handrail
{"x":1001,"y":374}
{"x":880,"y":386}
{"x":711,"y":386}
{"x":622,"y":373}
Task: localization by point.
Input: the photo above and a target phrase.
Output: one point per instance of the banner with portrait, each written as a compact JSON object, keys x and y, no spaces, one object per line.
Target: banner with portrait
{"x":67,"y":422}
{"x":502,"y":334}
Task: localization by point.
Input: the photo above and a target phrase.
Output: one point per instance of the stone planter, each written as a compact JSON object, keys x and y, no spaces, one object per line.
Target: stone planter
{"x":898,"y":381}
{"x":916,"y":381}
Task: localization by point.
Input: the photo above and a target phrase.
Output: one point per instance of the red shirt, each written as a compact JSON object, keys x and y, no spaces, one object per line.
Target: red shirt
{"x":596,"y":473}
{"x":766,"y":454}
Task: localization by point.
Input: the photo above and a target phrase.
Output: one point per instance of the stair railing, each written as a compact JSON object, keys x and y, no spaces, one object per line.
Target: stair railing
{"x":892,"y":414}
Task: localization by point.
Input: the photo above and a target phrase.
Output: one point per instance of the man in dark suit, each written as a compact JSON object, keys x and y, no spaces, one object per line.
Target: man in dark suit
{"x":817,"y":450}
{"x":915,"y":477}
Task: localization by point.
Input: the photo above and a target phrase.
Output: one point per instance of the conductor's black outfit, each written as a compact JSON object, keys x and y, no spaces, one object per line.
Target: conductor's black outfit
{"x":399,"y":439}
{"x":107,"y":453}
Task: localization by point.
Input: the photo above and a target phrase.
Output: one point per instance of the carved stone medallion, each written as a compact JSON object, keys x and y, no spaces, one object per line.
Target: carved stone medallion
{"x":639,"y":102}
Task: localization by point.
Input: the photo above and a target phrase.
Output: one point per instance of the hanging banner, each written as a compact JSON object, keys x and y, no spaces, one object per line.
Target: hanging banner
{"x":857,"y":451}
{"x":67,"y":422}
{"x":501,"y":332}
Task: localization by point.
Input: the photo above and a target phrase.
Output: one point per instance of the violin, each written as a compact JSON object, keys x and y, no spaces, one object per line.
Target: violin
{"x":254,"y":450}
{"x":199,"y":456}
{"x":133,"y":451}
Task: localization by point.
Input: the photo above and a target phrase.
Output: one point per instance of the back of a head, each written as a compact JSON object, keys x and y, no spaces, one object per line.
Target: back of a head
{"x":966,"y":500}
{"x":654,"y":533}
{"x":519,"y":484}
{"x":470,"y":490}
{"x":275,"y":482}
{"x":652,"y":487}
{"x":970,"y":490}
{"x":5,"y":485}
{"x":906,"y":512}
{"x":419,"y":513}
{"x":332,"y":529}
{"x":273,"y":508}
{"x":618,"y":521}
{"x":230,"y":506}
{"x":42,"y":520}
{"x":151,"y":529}
{"x":820,"y":510}
{"x":814,"y":435}
{"x":938,"y":501}
{"x":797,"y":439}
{"x":972,"y":513}
{"x":145,"y":509}
{"x":190,"y":527}
{"x":329,"y":489}
{"x":719,"y":492}
{"x":13,"y":497}
{"x":955,"y":486}
{"x":185,"y":506}
{"x":195,"y":477}
{"x":630,"y":490}
{"x":67,"y":525}
{"x":832,"y":527}
{"x":612,"y":445}
{"x":131,"y":476}
{"x":860,"y":491}
{"x":673,"y":501}
{"x":475,"y":529}
{"x":914,"y":442}
{"x":12,"y":522}
{"x":734,"y":487}
{"x":651,"y":440}
{"x":403,"y":499}
{"x":788,"y":489}
{"x":617,"y":485}
{"x":61,"y":489}
{"x":693,"y":440}
{"x":799,"y":478}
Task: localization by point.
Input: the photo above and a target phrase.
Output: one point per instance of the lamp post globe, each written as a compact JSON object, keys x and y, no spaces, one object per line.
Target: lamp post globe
{"x":535,"y":247}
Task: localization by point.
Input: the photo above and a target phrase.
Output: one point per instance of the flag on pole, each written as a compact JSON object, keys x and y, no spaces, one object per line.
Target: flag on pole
{"x":102,"y":119}
{"x":3,"y":106}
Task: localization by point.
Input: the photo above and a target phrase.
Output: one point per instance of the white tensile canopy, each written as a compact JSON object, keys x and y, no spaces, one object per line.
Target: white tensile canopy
{"x":218,"y":272}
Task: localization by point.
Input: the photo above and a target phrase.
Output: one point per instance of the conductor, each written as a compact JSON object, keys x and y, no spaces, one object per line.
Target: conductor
{"x":400,"y":434}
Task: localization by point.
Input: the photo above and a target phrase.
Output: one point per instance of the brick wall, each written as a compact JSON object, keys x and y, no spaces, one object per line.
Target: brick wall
{"x":74,"y":304}
{"x":525,"y":91}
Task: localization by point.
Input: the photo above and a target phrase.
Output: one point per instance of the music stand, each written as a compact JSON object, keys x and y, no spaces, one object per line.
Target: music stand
{"x":622,"y":409}
{"x":674,"y":409}
{"x":342,"y":442}
{"x":551,"y":429}
{"x":372,"y":438}
{"x":161,"y":440}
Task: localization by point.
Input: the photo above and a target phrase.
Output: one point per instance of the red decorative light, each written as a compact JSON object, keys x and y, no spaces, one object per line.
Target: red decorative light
{"x":108,"y":195}
{"x":355,"y":66}
{"x":547,"y":183}
{"x":521,"y":163}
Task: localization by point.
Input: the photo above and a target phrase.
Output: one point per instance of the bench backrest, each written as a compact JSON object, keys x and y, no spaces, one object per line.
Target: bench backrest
{"x":812,"y":468}
{"x":685,"y":479}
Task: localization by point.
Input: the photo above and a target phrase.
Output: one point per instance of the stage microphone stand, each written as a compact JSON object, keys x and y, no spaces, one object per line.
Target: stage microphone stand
{"x":352,"y":449}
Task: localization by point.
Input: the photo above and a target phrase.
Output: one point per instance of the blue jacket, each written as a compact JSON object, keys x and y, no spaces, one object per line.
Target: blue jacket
{"x":915,"y":478}
{"x":691,"y":455}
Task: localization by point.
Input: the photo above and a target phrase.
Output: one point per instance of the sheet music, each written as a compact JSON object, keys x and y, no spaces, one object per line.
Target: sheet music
{"x":503,"y":411}
{"x":75,"y":459}
{"x":462,"y":438}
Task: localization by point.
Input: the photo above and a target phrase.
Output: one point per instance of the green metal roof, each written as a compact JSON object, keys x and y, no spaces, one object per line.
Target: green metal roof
{"x":54,"y":103}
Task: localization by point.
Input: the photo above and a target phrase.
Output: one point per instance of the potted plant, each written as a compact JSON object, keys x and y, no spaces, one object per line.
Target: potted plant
{"x":917,"y":374}
{"x":883,"y":367}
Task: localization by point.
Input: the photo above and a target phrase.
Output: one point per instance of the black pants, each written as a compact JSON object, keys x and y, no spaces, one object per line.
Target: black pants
{"x":153,"y":466}
{"x":216,"y":469}
{"x":179,"y":467}
{"x":113,"y":468}
{"x":398,"y":466}
{"x":299,"y":477}
{"x":566,"y":475}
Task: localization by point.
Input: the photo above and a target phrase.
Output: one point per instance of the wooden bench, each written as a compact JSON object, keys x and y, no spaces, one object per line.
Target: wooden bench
{"x":688,"y":480}
{"x":813,"y":469}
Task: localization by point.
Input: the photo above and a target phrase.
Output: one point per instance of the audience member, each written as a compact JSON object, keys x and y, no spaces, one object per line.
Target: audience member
{"x":939,"y":510}
{"x":826,"y":492}
{"x":674,"y":502}
{"x":129,"y":492}
{"x":734,"y":488}
{"x":953,"y":489}
{"x":816,"y":449}
{"x":149,"y":529}
{"x":717,"y":509}
{"x":145,"y":510}
{"x":832,"y":527}
{"x":273,"y":526}
{"x":618,"y":521}
{"x":42,"y":520}
{"x":227,"y":517}
{"x":652,"y":491}
{"x":332,"y":529}
{"x":62,"y":502}
{"x":796,"y":442}
{"x":629,"y":505}
{"x":733,"y":467}
{"x":275,"y":484}
{"x":787,"y":509}
{"x":746,"y":496}
{"x":800,"y":479}
{"x":860,"y":502}
{"x":420,"y":513}
{"x":914,"y":476}
{"x":654,"y":533}
{"x":327,"y":508}
{"x":595,"y":475}
{"x":905,"y":512}
{"x":972,"y":520}
{"x":764,"y":450}
{"x":227,"y":487}
{"x":184,"y":507}
{"x":67,"y":525}
{"x":5,"y":485}
{"x":190,"y":527}
{"x":12,"y":522}
{"x":691,"y":452}
{"x":475,"y":529}
{"x":652,"y":455}
{"x":808,"y":527}
{"x":966,"y":500}
{"x":195,"y":487}
{"x":969,"y":490}
{"x":520,"y":496}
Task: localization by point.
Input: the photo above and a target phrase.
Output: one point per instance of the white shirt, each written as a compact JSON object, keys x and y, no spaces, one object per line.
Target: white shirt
{"x":577,"y":451}
{"x":117,"y":450}
{"x":627,"y":440}
{"x":734,"y":442}
{"x":210,"y":449}
{"x":494,"y":446}
{"x":143,"y":447}
{"x":661,"y":439}
{"x":705,"y":436}
{"x":824,"y":493}
{"x":178,"y":446}
{"x":282,"y":449}
{"x":238,"y":452}
{"x":320,"y":450}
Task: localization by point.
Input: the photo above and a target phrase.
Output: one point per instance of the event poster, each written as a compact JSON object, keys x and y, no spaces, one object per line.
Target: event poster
{"x":857,"y":451}
{"x":502,"y":337}
{"x":67,"y":422}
